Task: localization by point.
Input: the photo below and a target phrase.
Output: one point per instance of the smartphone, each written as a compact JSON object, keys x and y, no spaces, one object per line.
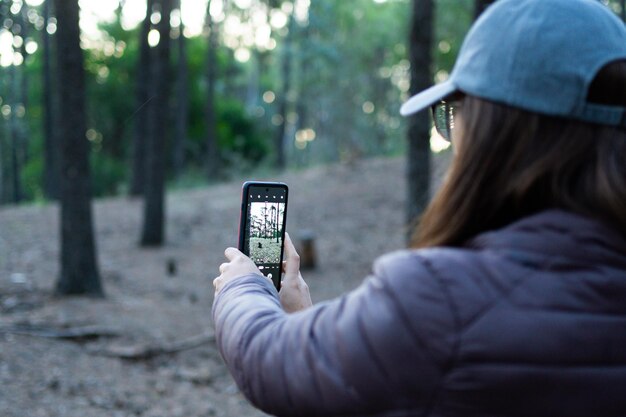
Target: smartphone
{"x":262,"y":226}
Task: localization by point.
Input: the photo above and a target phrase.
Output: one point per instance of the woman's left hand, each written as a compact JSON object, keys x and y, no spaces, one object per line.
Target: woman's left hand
{"x":238,"y":265}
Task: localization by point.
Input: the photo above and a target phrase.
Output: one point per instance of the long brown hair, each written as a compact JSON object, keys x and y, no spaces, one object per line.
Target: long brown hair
{"x":510,"y":163}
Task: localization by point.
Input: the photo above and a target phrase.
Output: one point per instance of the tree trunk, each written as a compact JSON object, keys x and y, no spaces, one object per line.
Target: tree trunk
{"x":253,"y":85}
{"x":303,"y":90}
{"x":15,"y":142}
{"x":3,"y":134}
{"x":79,"y":271}
{"x":379,"y":91}
{"x":281,"y":161}
{"x":143,"y":98}
{"x":16,"y":186}
{"x":182,"y":108}
{"x":15,"y":98}
{"x":480,"y":6}
{"x":418,"y":164}
{"x":24,"y":90}
{"x":212,"y":140}
{"x":154,"y":191}
{"x":51,"y":151}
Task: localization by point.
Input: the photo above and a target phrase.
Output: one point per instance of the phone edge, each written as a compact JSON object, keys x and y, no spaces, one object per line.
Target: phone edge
{"x":242,"y":218}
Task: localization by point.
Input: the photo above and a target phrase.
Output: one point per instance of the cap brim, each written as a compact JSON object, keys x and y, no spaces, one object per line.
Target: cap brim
{"x":427,"y":98}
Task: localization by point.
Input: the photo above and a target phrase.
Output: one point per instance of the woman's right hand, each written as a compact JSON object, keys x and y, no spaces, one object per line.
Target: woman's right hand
{"x":294,"y":292}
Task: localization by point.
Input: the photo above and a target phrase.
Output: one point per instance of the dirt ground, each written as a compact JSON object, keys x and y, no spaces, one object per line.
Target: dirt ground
{"x":158,"y":298}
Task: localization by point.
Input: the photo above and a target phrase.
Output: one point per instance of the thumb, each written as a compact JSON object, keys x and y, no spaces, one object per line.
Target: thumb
{"x":292,"y":259}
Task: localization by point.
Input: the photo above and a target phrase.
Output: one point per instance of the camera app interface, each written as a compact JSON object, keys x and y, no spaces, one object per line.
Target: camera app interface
{"x":266,"y":216}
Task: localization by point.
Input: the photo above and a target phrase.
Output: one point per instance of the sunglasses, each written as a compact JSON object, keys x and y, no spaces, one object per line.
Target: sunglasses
{"x":444,"y":114}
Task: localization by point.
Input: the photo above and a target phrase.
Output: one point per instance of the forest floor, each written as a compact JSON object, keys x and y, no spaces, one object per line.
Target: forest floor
{"x":129,"y":354}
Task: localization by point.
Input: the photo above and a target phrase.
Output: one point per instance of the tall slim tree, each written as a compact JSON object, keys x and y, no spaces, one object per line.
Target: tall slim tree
{"x":3,"y":129}
{"x":303,"y":70}
{"x":51,"y":149}
{"x":143,"y":99}
{"x":5,"y":134}
{"x":210,"y":116}
{"x":79,"y":270}
{"x":420,"y":56}
{"x":24,"y":154}
{"x":182,"y":100}
{"x":16,"y":97}
{"x":14,"y":123}
{"x":283,"y":98}
{"x":153,"y":233}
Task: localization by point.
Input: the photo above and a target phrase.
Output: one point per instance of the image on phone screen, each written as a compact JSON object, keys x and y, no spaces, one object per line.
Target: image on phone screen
{"x":264,"y":228}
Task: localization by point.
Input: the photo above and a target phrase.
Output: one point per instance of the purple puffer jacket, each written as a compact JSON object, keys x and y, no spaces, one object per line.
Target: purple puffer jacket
{"x":529,"y":320}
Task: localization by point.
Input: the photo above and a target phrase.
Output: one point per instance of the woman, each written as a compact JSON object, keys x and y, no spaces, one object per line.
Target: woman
{"x":513,"y":300}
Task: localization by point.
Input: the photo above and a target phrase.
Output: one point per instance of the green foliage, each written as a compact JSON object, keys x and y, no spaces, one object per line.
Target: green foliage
{"x":111,"y":74}
{"x":240,"y":139}
{"x":107,"y":173}
{"x":32,"y":169}
{"x":237,"y":133}
{"x":32,"y":174}
{"x":452,"y":20}
{"x":110,"y":85}
{"x":356,"y":51}
{"x":349,"y":77}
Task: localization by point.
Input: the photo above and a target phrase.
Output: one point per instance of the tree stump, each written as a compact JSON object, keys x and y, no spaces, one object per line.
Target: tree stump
{"x":308,"y":254}
{"x":172,"y":267}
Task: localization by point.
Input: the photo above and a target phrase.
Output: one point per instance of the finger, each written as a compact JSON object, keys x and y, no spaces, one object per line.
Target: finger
{"x":223,"y":267}
{"x":293,"y":259}
{"x":232,"y":253}
{"x":215,"y":282}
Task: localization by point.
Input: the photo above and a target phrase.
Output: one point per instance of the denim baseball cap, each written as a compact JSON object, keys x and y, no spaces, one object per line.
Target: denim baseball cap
{"x":537,"y":55}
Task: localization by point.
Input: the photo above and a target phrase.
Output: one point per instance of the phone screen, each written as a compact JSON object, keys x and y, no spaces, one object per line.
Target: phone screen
{"x":264,"y":229}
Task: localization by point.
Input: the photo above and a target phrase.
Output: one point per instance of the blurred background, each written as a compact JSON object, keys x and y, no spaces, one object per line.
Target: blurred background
{"x":292,"y":84}
{"x":126,"y":129}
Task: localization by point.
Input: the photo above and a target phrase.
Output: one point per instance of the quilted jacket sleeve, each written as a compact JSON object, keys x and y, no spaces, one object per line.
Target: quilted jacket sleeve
{"x":380,"y":348}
